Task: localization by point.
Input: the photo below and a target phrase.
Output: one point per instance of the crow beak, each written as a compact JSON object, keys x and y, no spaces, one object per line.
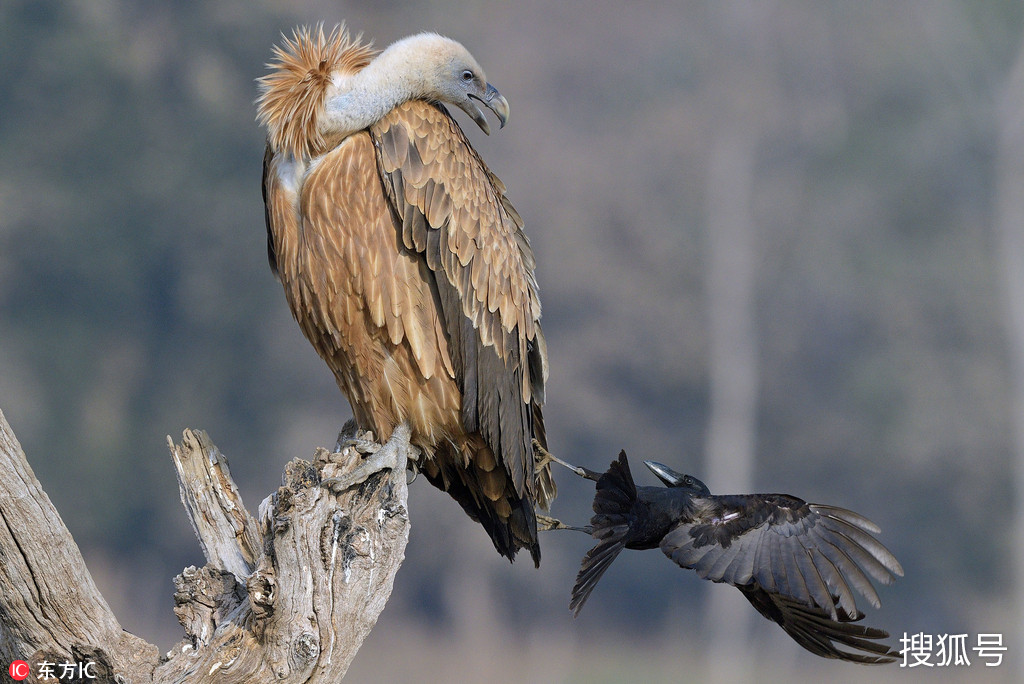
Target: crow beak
{"x":670,"y":477}
{"x":494,"y":101}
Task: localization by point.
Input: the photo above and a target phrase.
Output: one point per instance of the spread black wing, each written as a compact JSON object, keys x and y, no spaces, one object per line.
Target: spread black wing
{"x":807,"y":552}
{"x":815,"y":630}
{"x":795,"y":562}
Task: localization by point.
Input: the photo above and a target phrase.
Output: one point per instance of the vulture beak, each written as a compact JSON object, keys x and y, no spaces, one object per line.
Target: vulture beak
{"x":670,"y":477}
{"x":494,"y":101}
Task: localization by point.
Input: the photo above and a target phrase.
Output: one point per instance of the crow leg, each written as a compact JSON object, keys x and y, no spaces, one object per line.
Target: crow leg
{"x":548,"y":457}
{"x":546,"y":523}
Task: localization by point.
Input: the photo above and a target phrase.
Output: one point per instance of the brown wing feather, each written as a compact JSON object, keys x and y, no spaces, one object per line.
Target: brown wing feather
{"x":366,"y":305}
{"x":361,"y":279}
{"x":268,"y":158}
{"x":453,"y":210}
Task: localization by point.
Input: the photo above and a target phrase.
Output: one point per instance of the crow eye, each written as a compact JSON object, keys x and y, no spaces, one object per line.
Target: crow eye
{"x":467,"y":75}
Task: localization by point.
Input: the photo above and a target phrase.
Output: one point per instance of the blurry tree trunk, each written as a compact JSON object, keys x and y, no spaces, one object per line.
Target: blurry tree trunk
{"x":1009,"y":228}
{"x":288,"y":596}
{"x":49,"y":605}
{"x":742,"y":90}
{"x":733,"y":369}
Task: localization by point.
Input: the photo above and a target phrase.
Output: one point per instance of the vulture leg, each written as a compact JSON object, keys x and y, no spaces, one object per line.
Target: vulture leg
{"x":388,"y":457}
{"x":545,"y":457}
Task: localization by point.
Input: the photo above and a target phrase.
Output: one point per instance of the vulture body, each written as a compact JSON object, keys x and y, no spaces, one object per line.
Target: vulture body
{"x":795,"y":562}
{"x":405,"y":264}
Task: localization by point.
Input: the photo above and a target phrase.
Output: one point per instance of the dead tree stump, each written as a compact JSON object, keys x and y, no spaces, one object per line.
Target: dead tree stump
{"x":286,"y":596}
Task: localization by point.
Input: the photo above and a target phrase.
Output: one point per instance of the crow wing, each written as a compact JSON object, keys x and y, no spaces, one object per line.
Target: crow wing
{"x":819,"y":633}
{"x":807,"y":553}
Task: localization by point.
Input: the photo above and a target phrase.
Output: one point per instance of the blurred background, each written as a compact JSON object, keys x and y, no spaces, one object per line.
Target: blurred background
{"x":779,"y":245}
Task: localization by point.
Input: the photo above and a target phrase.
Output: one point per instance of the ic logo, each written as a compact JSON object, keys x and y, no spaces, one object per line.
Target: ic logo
{"x":18,"y":670}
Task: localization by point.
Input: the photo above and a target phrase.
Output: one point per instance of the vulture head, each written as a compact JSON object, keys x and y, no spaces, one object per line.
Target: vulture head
{"x":321,"y":89}
{"x":439,"y":68}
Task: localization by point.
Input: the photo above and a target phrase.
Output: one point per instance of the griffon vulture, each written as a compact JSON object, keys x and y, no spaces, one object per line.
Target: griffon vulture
{"x":796,"y":562}
{"x":405,"y":264}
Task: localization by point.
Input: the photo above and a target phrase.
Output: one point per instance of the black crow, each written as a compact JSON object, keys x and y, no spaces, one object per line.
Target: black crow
{"x":795,"y":562}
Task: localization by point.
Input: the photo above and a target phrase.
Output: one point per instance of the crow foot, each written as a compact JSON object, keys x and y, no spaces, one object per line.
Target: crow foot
{"x":545,"y":457}
{"x":547,"y":523}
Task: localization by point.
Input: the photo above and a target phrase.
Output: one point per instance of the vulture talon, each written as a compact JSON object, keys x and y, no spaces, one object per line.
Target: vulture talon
{"x":364,"y":445}
{"x":349,"y":430}
{"x":386,"y":457}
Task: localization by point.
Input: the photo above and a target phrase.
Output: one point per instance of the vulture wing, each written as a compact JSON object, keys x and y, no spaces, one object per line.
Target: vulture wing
{"x":805,"y":553}
{"x":352,"y":292}
{"x":453,"y":211}
{"x":268,"y":159}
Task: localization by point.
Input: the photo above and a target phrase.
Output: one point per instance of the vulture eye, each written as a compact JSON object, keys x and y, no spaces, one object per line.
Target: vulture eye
{"x":467,"y":75}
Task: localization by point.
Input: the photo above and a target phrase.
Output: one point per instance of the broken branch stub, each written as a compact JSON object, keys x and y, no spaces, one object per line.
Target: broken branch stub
{"x":286,"y":596}
{"x":323,"y":567}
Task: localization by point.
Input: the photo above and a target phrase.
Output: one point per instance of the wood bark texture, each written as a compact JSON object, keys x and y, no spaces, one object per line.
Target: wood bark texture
{"x":286,"y":596}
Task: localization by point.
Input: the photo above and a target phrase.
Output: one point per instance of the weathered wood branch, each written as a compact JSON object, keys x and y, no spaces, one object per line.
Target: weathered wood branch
{"x":50,"y":608}
{"x":288,"y":596}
